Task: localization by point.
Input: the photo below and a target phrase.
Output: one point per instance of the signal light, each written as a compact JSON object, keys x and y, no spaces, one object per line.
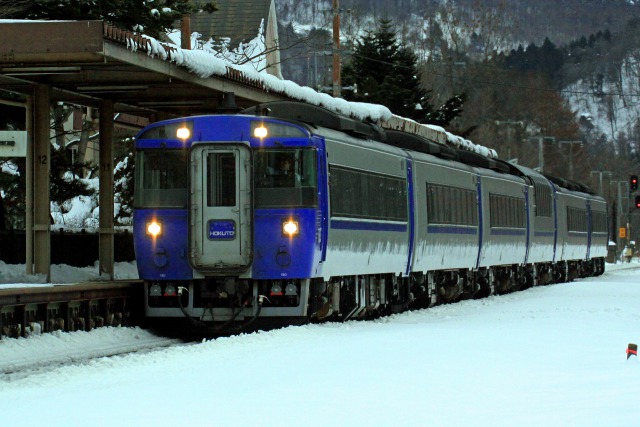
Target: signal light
{"x":633,"y":182}
{"x":637,"y":202}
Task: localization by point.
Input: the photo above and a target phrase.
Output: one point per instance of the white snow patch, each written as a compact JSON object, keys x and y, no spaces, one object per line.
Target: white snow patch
{"x":551,"y":355}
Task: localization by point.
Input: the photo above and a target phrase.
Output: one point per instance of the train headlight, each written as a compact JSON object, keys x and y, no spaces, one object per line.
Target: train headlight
{"x":154,"y":228}
{"x":260,"y":132}
{"x":290,"y":228}
{"x":183,"y":133}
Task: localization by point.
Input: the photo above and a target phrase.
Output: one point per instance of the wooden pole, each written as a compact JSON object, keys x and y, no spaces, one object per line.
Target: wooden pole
{"x":337,"y":84}
{"x":185,"y":32}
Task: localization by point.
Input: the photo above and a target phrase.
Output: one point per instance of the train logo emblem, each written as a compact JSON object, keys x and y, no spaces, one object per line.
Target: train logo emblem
{"x":222,"y":230}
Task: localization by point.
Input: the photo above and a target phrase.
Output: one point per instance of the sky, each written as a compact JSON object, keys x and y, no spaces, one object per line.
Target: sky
{"x":551,"y":355}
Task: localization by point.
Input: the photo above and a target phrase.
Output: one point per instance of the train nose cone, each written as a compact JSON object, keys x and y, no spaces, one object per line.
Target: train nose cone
{"x":282,"y":257}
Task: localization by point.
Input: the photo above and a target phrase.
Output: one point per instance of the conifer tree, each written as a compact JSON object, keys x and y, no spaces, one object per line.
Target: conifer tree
{"x":386,"y":72}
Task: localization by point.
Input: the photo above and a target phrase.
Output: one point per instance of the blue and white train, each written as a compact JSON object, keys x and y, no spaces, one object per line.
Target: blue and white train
{"x":292,"y":211}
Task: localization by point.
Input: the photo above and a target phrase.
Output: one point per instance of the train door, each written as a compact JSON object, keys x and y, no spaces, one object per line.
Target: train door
{"x":221,"y":208}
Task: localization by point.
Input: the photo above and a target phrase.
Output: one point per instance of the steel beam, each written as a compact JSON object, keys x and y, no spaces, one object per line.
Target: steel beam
{"x":151,"y":63}
{"x":106,"y":188}
{"x":28,"y":210}
{"x":41,"y":168}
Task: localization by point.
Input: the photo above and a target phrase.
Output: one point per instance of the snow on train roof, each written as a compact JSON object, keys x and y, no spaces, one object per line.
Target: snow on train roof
{"x":205,"y":64}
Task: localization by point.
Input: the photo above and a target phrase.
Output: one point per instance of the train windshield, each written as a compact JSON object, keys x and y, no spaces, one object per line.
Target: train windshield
{"x":285,"y":177}
{"x":161,"y":179}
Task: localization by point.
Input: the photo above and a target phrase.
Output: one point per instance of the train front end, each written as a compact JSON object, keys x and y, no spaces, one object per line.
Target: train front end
{"x":227,"y":221}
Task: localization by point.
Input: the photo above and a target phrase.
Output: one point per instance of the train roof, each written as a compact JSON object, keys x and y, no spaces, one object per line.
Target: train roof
{"x":569,"y":185}
{"x":320,"y":117}
{"x":316,"y":117}
{"x":369,"y":128}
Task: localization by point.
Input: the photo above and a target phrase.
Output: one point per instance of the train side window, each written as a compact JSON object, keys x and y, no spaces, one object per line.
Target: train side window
{"x":542,"y":197}
{"x":576,"y":219}
{"x":451,"y":205}
{"x":161,"y":178}
{"x":285,"y":177}
{"x":507,"y":211}
{"x":599,"y":222}
{"x":367,"y":195}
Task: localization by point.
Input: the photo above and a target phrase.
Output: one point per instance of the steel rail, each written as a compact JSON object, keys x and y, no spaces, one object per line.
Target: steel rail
{"x":72,"y":307}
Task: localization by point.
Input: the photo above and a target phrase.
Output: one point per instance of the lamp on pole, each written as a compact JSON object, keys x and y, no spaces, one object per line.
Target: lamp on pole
{"x":313,"y":77}
{"x":600,"y":174}
{"x":509,"y":124}
{"x":571,"y":158}
{"x":541,"y":140}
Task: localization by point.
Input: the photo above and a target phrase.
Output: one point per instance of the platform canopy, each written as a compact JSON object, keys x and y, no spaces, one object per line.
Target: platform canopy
{"x":85,"y":61}
{"x":90,"y":63}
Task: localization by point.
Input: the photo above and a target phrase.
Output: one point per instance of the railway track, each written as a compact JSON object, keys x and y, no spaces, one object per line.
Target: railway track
{"x":85,"y":306}
{"x":68,"y":308}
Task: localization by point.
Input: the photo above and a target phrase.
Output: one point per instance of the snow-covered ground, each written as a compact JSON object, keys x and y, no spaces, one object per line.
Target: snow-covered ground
{"x":14,"y":275}
{"x":548,"y":356}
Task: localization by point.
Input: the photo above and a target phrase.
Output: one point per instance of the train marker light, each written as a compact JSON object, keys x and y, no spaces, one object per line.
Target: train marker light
{"x":276,"y":290}
{"x":183,"y":133}
{"x":170,"y":291}
{"x":154,"y":229}
{"x":155,"y":290}
{"x":260,"y":132}
{"x":290,"y":228}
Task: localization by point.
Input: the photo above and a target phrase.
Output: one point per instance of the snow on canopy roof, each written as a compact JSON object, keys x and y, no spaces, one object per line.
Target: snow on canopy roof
{"x":205,"y":64}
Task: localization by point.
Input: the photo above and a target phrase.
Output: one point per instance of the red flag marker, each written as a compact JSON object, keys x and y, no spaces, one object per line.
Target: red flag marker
{"x":632,"y":349}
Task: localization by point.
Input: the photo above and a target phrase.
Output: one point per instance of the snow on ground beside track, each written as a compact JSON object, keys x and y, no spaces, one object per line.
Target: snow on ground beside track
{"x":14,"y":276}
{"x":58,"y":348}
{"x":551,"y":355}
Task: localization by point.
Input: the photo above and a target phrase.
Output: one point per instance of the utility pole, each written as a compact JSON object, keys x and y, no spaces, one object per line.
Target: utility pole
{"x":510,"y":124}
{"x":337,"y":84}
{"x":571,"y":159}
{"x":541,"y":140}
{"x":600,"y":173}
{"x":624,"y":216}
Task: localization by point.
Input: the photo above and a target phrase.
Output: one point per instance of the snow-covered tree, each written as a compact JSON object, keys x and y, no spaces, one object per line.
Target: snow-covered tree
{"x":151,"y":17}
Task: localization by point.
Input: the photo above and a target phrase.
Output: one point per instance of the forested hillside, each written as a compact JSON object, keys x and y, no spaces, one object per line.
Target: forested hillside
{"x":524,"y":21}
{"x":566,"y":71}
